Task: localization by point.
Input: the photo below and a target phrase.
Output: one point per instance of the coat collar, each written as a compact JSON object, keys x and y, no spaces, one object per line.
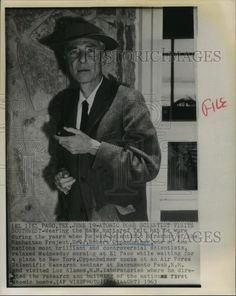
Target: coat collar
{"x":102,"y":101}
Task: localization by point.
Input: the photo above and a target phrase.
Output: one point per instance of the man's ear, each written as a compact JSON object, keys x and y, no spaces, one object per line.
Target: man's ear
{"x":103,"y":57}
{"x":106,"y":57}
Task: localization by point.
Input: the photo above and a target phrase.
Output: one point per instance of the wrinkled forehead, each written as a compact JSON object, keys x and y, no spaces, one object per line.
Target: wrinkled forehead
{"x":83,"y":43}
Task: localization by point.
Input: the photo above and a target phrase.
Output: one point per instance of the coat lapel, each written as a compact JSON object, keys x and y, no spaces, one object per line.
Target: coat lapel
{"x":102,"y":101}
{"x":71,"y":108}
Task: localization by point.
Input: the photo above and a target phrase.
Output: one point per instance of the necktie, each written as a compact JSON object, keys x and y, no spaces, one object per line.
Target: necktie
{"x":84,"y":117}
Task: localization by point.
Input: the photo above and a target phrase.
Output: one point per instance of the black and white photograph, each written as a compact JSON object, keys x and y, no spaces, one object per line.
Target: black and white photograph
{"x":102,"y":146}
{"x":89,"y":138}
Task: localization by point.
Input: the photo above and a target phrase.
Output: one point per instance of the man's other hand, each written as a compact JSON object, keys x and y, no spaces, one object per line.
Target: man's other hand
{"x":64,"y":181}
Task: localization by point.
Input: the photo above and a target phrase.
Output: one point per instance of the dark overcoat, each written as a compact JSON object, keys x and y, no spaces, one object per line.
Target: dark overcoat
{"x":114,"y":180}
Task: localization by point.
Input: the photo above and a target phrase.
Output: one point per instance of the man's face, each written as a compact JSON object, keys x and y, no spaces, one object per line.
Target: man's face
{"x":83,"y":56}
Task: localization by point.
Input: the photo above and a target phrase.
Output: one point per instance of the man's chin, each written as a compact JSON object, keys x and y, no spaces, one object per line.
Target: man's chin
{"x":83,"y":79}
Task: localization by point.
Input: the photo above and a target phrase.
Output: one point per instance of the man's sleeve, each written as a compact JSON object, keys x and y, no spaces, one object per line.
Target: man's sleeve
{"x":138,"y":157}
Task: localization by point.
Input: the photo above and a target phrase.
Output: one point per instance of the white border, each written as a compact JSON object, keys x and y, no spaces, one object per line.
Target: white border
{"x":216,"y":138}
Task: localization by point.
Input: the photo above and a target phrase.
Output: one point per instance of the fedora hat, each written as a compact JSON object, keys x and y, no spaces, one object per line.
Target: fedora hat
{"x":69,"y":28}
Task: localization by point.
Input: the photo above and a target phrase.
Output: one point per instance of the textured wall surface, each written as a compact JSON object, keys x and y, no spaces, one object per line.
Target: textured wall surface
{"x":33,"y":79}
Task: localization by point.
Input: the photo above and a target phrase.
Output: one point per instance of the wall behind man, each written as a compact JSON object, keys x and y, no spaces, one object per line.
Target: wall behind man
{"x":33,"y":78}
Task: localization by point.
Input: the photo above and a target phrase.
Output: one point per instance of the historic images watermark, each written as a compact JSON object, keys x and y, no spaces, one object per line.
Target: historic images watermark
{"x":147,"y":56}
{"x":152,"y":233}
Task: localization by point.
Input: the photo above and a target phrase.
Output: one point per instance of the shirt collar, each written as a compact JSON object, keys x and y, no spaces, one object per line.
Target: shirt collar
{"x":91,"y":97}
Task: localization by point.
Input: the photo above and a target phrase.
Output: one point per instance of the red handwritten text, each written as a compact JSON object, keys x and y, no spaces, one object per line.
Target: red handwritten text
{"x":214,"y":105}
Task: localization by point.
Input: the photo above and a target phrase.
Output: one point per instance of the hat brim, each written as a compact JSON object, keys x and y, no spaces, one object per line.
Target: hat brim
{"x":53,"y":42}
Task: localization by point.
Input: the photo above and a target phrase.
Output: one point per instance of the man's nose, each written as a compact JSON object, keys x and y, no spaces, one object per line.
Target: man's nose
{"x":82,"y":57}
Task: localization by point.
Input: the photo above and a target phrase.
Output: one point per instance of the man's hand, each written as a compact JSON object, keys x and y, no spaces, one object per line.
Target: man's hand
{"x":63,"y":181}
{"x":80,"y":143}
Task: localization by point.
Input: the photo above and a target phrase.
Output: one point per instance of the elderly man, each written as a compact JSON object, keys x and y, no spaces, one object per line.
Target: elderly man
{"x":108,"y":147}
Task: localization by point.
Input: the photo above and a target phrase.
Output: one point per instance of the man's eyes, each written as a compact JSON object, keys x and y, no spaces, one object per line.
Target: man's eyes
{"x":90,"y":50}
{"x":75,"y":52}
